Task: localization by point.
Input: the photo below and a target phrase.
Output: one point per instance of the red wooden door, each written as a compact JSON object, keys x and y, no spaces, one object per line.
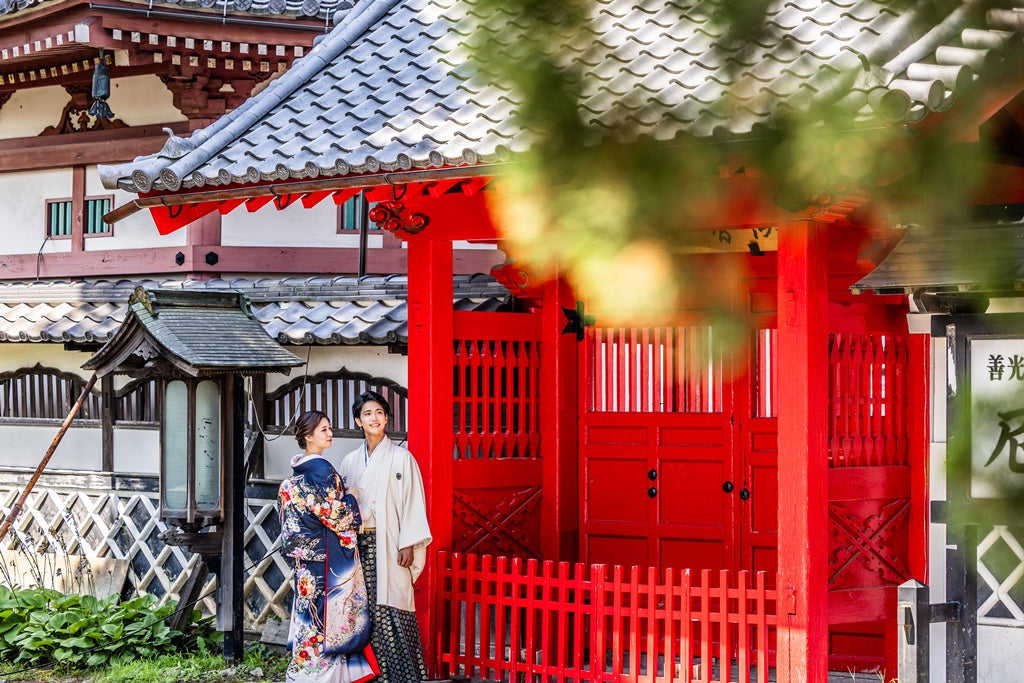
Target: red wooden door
{"x":660,"y":481}
{"x":758,"y":436}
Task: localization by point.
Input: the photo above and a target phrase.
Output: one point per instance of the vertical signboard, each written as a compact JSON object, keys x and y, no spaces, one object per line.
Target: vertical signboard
{"x":996,"y":382}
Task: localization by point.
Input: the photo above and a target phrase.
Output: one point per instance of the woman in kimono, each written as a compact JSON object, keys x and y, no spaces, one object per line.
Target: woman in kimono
{"x":330,"y":627}
{"x":393,"y":540}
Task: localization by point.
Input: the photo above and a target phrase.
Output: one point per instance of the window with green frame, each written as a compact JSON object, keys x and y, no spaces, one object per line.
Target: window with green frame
{"x":349,"y":214}
{"x":59,"y":219}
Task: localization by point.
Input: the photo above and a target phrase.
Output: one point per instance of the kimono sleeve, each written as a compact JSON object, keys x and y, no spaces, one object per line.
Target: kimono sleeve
{"x":414,"y":531}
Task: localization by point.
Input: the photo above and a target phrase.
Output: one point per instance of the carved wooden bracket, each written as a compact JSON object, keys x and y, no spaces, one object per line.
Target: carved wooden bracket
{"x":76,"y":118}
{"x":201,"y":94}
{"x":393,"y":216}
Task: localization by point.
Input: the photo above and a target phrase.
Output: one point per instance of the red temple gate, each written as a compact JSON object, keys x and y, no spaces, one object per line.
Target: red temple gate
{"x":678,"y":449}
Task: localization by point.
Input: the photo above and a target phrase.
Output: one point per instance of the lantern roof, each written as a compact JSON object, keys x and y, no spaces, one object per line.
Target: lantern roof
{"x":198,"y":333}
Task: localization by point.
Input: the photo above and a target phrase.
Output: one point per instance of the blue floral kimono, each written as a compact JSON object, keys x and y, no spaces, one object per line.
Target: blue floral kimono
{"x":330,"y":628}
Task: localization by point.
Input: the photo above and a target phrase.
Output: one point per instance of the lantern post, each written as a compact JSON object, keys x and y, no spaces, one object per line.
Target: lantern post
{"x":199,"y":346}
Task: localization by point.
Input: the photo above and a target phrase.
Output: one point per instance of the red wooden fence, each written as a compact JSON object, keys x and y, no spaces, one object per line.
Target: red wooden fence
{"x":530,"y":622}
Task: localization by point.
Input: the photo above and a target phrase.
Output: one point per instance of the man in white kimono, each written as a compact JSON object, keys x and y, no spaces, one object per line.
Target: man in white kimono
{"x":393,"y":541}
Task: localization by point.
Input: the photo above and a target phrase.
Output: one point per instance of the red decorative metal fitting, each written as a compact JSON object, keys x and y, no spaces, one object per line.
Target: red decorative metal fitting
{"x":516,"y":277}
{"x":393,"y":216}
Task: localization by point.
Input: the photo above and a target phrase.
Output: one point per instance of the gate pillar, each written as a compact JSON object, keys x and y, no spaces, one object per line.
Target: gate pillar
{"x":431,"y":355}
{"x":558,"y":425}
{"x":803,"y":437}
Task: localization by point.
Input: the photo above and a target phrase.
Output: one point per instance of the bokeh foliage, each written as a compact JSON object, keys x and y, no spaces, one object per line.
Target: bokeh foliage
{"x":613,"y":203}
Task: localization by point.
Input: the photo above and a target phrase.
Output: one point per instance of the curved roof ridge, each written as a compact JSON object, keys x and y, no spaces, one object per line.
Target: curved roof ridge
{"x":207,"y":141}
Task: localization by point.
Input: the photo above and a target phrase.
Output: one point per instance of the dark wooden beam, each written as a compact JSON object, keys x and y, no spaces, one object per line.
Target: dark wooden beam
{"x":163,"y":261}
{"x":77,"y":208}
{"x":99,"y":147}
{"x":107,"y":422}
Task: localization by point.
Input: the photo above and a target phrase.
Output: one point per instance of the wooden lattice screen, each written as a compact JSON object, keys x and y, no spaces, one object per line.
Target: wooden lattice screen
{"x":334,"y":393}
{"x":139,"y":402}
{"x":497,"y":399}
{"x":42,"y":393}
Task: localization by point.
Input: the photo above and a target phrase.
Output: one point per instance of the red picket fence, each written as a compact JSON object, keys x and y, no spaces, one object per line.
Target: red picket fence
{"x":521,"y":621}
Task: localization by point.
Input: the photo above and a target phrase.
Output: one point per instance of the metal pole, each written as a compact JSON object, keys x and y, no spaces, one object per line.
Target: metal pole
{"x":363,"y":223}
{"x":16,"y":509}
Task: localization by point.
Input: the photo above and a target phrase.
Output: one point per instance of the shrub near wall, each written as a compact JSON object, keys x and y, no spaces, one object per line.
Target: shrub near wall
{"x":40,"y":626}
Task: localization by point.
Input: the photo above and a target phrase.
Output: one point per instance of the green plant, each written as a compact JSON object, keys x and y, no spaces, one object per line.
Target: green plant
{"x":39,"y":626}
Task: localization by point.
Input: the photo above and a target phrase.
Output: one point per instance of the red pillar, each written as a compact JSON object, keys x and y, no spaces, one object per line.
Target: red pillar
{"x":558,"y":427}
{"x":431,"y":438}
{"x":803,"y":464}
{"x":918,"y":404}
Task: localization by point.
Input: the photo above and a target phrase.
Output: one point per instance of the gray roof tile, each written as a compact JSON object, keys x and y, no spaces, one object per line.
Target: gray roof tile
{"x":390,"y":87}
{"x":339,"y":310}
{"x":321,"y":9}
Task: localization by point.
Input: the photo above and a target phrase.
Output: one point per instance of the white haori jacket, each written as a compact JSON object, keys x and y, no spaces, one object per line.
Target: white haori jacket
{"x":389,"y":487}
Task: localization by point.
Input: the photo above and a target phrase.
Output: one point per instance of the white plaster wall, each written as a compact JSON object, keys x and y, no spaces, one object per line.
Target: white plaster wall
{"x":937,"y":486}
{"x":25,"y":445}
{"x":142,"y":100}
{"x":80,"y":449}
{"x":136,"y":100}
{"x":137,"y":451}
{"x":373,"y":360}
{"x":32,"y":110}
{"x":23,"y":226}
{"x":1000,"y":654}
{"x":16,"y":355}
{"x":137,"y":231}
{"x":279,"y":452}
{"x":293,"y":226}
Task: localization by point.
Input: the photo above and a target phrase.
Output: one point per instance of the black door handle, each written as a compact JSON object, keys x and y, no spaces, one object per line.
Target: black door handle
{"x":652,"y":474}
{"x":727,"y":487}
{"x":652,"y":492}
{"x":744,"y":494}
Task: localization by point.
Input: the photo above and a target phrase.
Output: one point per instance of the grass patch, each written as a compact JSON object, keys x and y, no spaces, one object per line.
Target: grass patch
{"x":259,"y":663}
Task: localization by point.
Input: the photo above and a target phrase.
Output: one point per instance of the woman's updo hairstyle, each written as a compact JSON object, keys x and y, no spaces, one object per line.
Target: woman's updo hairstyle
{"x":306,"y":424}
{"x":365,"y":398}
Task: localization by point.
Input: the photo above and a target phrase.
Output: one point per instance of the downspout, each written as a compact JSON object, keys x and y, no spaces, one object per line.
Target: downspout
{"x":363,"y":223}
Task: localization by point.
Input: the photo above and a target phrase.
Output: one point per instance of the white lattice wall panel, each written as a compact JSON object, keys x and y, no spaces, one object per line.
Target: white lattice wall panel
{"x":126,"y":526}
{"x":1001,"y":576}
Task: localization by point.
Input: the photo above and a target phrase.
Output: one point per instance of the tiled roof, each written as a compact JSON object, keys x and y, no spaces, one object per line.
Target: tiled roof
{"x":980,"y":258}
{"x":389,"y":88}
{"x":198,"y":331}
{"x":341,"y":310}
{"x":322,"y":9}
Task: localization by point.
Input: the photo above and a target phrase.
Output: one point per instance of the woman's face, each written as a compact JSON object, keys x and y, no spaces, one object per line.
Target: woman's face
{"x":372,"y":419}
{"x":320,"y":439}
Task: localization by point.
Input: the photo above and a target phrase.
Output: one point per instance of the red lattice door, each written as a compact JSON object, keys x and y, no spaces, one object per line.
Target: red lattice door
{"x":877,"y":489}
{"x":497,"y":472}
